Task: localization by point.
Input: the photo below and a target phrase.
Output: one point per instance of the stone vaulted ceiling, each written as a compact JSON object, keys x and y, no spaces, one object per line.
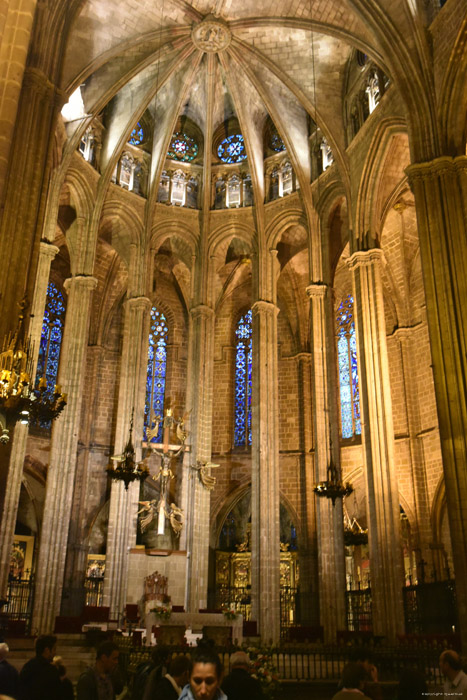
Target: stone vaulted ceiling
{"x":212,"y":61}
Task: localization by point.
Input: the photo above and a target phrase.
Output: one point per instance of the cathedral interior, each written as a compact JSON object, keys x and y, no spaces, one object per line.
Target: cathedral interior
{"x":235,"y":244}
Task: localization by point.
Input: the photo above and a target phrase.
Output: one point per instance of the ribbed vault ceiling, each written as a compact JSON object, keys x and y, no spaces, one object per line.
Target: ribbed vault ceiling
{"x":283,"y":59}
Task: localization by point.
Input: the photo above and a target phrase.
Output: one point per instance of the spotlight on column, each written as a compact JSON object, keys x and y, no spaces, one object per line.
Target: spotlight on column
{"x":125,"y":467}
{"x":333,"y":487}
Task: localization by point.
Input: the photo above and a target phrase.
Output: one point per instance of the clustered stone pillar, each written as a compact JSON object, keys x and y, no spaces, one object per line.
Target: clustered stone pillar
{"x":378,"y":444}
{"x":440,"y":190}
{"x":195,"y":498}
{"x":265,"y":525}
{"x":26,"y":189}
{"x":63,"y":455}
{"x":407,"y":339}
{"x":121,"y":533}
{"x":330,"y":527}
{"x":20,"y":435}
{"x":309,"y":599}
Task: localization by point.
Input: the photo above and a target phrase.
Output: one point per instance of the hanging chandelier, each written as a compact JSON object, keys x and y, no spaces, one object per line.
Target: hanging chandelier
{"x":354,"y":533}
{"x":125,"y":467}
{"x":18,"y":400}
{"x":333,"y":487}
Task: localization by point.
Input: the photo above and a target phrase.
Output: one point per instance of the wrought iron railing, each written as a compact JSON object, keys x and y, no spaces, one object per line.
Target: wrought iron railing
{"x":431,"y":608}
{"x":316,"y":662}
{"x":359,"y":610}
{"x":20,"y":596}
{"x":94,"y":588}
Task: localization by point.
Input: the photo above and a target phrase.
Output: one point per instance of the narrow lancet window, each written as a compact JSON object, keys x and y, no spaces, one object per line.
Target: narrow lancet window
{"x":348,"y":369}
{"x":243,"y":380}
{"x":156,"y":372}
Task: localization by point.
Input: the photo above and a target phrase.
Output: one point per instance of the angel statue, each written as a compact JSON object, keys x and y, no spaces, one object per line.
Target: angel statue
{"x":152,"y":509}
{"x":205,"y":477}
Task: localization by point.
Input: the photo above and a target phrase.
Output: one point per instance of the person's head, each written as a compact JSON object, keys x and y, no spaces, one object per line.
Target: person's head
{"x":363,"y":657}
{"x":353,"y":676}
{"x":5,"y":697}
{"x":107,"y":657}
{"x":411,"y":685}
{"x":240,"y":659}
{"x":46,"y":646}
{"x":450,"y":663}
{"x":179,"y":669}
{"x":206,"y":674}
{"x":4,"y":649}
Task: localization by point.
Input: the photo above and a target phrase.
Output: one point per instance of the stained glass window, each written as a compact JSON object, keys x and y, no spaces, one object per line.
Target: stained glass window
{"x":232,"y":149}
{"x":182,"y":147}
{"x":157,"y":361}
{"x":348,"y":369}
{"x":243,"y":377}
{"x":276,"y":143}
{"x":51,"y":340}
{"x":136,"y":135}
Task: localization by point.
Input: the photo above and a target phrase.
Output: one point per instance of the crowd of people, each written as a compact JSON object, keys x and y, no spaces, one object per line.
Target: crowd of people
{"x":199,"y":676}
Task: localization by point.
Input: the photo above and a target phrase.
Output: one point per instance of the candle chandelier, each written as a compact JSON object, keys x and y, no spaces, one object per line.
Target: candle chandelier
{"x":333,"y":487}
{"x":354,"y":533}
{"x":125,"y":467}
{"x":18,"y":400}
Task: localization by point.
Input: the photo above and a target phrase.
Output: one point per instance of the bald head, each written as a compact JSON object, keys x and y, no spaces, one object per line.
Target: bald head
{"x":240,"y":659}
{"x":4,"y":649}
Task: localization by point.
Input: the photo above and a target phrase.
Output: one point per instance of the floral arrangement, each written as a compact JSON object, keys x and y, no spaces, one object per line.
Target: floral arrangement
{"x":264,"y":669}
{"x":230,"y":613}
{"x":163,"y":610}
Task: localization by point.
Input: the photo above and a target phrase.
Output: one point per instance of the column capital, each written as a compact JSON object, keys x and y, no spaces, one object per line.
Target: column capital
{"x":434,"y":168}
{"x":404,"y":332}
{"x":366,"y":258}
{"x":317,"y":289}
{"x":140,"y":302}
{"x":201,"y":310}
{"x":84,"y":281}
{"x":48,"y":250}
{"x":264,"y":307}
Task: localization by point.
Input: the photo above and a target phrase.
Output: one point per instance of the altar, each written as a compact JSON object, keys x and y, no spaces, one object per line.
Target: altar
{"x":214,"y":623}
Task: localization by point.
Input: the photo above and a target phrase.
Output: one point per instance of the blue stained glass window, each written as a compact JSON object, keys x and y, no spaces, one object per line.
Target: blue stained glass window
{"x":136,"y":135}
{"x":182,"y":147}
{"x":51,"y":341}
{"x":157,"y":363}
{"x":276,"y":143}
{"x":232,"y":149}
{"x":243,"y":380}
{"x":348,"y":369}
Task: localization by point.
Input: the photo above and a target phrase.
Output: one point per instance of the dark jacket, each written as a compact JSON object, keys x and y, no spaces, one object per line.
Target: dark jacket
{"x":87,"y":687}
{"x":9,"y":680}
{"x":160,"y":689}
{"x":239,"y":685}
{"x":38,"y":680}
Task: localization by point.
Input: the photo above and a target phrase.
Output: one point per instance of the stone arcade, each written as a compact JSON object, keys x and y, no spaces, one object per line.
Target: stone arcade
{"x":254,"y":212}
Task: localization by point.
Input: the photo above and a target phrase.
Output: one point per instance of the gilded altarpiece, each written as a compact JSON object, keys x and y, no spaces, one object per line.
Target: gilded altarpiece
{"x":233,"y":578}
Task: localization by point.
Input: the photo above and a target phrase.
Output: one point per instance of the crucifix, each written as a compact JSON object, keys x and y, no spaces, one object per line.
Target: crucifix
{"x":167,"y":452}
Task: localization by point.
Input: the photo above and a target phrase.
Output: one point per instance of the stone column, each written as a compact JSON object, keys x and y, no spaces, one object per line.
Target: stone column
{"x":440,"y":190}
{"x":265,"y":526}
{"x":121,"y":533}
{"x":20,"y":435}
{"x":64,"y":442}
{"x":330,"y":527}
{"x":195,"y":498}
{"x":16,"y":21}
{"x":407,"y":341}
{"x":378,"y":444}
{"x":26,"y":190}
{"x":309,"y":596}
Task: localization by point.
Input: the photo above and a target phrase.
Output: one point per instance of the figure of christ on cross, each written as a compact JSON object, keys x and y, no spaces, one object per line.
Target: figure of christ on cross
{"x":167,"y":452}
